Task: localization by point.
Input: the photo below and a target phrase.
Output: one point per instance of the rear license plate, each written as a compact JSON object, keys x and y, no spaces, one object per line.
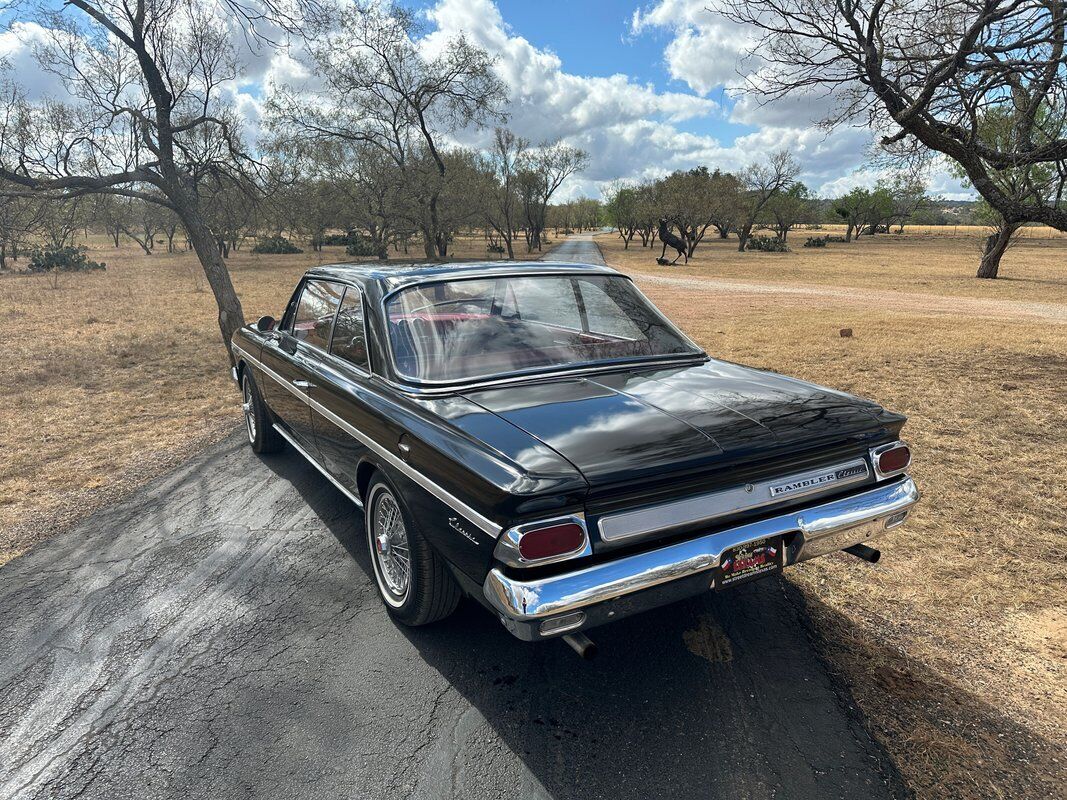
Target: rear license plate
{"x":745,"y":562}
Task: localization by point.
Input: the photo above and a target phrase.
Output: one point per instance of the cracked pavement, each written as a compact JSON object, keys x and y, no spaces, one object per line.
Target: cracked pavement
{"x":218,"y":635}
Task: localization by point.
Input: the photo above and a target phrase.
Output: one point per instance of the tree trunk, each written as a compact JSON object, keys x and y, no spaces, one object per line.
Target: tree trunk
{"x":742,"y":237}
{"x":848,"y":233}
{"x":231,"y":315}
{"x":995,"y":245}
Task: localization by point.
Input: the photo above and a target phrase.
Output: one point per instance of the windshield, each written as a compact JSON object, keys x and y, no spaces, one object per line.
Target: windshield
{"x":475,"y":329}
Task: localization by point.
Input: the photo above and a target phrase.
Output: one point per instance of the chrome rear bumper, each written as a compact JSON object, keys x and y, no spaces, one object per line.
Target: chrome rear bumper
{"x":603,"y":592}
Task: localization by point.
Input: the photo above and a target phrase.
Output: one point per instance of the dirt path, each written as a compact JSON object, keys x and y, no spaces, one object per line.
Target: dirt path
{"x":906,"y":301}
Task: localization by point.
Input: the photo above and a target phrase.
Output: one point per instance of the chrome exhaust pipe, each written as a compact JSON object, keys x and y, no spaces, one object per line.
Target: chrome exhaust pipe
{"x":582,"y":645}
{"x":864,"y":552}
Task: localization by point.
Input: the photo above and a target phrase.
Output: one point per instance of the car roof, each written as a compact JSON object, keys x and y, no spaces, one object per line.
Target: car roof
{"x":395,"y":276}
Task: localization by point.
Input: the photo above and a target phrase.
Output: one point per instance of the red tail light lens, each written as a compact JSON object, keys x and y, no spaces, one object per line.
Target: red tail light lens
{"x":894,"y":460}
{"x":554,"y":540}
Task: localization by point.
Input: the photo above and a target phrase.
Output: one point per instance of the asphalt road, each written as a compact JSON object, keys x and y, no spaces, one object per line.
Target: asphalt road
{"x":218,"y":636}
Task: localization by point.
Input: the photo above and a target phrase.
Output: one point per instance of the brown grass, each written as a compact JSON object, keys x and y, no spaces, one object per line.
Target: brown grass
{"x":925,"y":264}
{"x":954,"y":644}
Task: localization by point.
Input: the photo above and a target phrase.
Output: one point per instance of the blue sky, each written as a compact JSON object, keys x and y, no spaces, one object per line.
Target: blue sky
{"x":644,"y":87}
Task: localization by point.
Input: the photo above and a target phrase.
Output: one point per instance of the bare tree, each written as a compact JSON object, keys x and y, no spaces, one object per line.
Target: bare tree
{"x":790,"y":208}
{"x":726,"y":202}
{"x":19,"y":218}
{"x":141,"y":220}
{"x":939,"y":68}
{"x":143,"y":116}
{"x":542,"y":172}
{"x":505,"y":158}
{"x":622,"y":210}
{"x":382,"y":90}
{"x":760,"y":183}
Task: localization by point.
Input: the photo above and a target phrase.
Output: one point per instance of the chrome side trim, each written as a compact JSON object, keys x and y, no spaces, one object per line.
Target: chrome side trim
{"x":707,"y":507}
{"x":457,"y":505}
{"x":296,"y":446}
{"x":507,"y":546}
{"x":861,"y":514}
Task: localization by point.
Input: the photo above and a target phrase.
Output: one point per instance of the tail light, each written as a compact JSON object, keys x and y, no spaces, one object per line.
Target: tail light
{"x":555,"y":540}
{"x":543,"y":542}
{"x":890,"y":459}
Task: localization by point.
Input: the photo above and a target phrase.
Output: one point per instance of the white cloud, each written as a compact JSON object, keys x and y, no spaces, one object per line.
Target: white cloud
{"x":548,"y":102}
{"x":707,"y":51}
{"x":16,"y":53}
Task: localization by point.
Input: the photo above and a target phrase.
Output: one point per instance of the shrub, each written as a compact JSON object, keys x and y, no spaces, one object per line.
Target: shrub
{"x":276,"y":245}
{"x":360,"y":246}
{"x":816,"y":241}
{"x":768,"y":244}
{"x":336,"y":239}
{"x":62,"y":259}
{"x":494,"y":248}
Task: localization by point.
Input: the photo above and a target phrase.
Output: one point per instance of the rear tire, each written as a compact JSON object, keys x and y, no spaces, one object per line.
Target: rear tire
{"x":259,"y":427}
{"x":413,"y":580}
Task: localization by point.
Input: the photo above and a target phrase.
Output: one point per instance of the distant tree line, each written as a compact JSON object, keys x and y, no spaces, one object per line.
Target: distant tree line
{"x":704,"y":201}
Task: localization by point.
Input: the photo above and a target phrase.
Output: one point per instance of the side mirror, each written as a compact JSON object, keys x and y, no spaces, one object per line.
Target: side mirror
{"x":265,"y":324}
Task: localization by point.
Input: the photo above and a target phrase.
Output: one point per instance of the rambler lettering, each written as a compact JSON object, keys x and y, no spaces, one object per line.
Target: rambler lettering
{"x":818,"y":480}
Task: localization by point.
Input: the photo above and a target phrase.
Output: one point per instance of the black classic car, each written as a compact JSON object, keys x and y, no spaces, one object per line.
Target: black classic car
{"x":541,"y":438}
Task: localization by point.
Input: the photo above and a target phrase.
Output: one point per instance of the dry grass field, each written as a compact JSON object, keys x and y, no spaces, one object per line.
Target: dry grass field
{"x":954,"y":645}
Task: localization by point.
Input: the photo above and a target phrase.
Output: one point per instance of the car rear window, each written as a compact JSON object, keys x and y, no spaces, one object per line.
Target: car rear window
{"x":475,"y":329}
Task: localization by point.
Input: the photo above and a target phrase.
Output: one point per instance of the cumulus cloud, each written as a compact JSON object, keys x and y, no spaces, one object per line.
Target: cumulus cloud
{"x":16,"y":54}
{"x":706,"y":52}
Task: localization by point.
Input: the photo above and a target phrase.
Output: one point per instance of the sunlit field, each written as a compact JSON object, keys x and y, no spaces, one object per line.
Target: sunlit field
{"x":954,"y":645}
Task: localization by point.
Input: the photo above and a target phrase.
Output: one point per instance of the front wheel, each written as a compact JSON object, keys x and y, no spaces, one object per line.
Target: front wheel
{"x":412,"y":579}
{"x":258,"y":425}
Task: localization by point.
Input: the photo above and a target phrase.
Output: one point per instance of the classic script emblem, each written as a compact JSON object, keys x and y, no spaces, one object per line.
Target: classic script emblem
{"x":453,"y":523}
{"x":813,"y":481}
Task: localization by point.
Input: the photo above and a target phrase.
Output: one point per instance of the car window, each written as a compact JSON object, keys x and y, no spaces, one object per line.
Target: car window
{"x":315,"y":312}
{"x":480,"y":328}
{"x":349,"y":338}
{"x":548,"y":300}
{"x":604,"y":315}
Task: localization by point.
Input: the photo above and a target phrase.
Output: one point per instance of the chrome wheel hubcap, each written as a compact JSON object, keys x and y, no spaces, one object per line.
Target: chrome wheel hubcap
{"x":391,"y":550}
{"x":249,"y":410}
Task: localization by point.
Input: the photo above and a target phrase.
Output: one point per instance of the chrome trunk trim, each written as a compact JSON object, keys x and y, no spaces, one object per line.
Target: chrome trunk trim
{"x":714,"y":505}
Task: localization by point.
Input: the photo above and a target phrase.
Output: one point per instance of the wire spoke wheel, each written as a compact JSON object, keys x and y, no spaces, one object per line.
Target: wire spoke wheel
{"x":249,"y":408}
{"x":392,"y":550}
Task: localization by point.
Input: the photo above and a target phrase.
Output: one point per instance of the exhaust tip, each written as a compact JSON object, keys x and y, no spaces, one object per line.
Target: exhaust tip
{"x":866,"y":553}
{"x":582,"y":645}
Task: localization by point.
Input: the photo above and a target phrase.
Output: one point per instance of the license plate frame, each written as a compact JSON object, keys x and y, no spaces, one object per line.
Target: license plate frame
{"x":750,"y":561}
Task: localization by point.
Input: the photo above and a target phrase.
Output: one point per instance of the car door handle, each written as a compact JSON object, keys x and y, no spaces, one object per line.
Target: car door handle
{"x":303,"y":384}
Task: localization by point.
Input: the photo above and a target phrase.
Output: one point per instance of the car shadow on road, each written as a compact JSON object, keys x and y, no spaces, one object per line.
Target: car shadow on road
{"x":720,"y":695}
